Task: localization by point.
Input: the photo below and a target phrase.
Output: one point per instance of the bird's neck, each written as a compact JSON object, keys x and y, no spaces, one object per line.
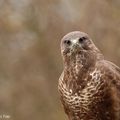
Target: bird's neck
{"x":85,"y":59}
{"x":83,"y":62}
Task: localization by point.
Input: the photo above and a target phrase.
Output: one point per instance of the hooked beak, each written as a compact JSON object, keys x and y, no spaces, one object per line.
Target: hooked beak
{"x":76,"y":46}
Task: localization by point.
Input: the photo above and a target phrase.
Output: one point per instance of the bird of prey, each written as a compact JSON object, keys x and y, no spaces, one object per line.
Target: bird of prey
{"x":89,"y":85}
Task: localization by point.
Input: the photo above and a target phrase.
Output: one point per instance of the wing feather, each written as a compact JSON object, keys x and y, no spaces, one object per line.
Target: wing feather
{"x":113,"y":72}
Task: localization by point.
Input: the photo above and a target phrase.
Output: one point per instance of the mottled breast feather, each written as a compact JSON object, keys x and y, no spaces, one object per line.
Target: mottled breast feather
{"x":89,"y":86}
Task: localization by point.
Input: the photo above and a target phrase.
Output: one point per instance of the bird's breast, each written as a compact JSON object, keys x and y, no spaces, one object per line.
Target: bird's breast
{"x":78,"y":100}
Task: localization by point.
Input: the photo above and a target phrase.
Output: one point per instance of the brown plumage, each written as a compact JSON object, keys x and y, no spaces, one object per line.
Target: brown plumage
{"x":89,"y":85}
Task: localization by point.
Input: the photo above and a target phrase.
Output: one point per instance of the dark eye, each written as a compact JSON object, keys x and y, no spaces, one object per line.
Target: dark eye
{"x":82,"y":39}
{"x":68,"y":42}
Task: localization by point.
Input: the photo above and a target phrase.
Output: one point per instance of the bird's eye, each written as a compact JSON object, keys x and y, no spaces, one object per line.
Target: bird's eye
{"x":68,"y":42}
{"x":82,"y":39}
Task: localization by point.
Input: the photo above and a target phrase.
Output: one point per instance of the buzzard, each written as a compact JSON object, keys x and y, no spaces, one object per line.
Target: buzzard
{"x":89,"y":85}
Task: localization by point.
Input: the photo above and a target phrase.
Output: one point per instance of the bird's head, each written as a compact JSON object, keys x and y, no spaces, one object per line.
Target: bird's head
{"x":75,"y":43}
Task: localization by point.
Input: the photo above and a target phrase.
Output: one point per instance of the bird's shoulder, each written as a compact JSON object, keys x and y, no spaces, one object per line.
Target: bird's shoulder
{"x":108,"y":67}
{"x":110,"y":71}
{"x":114,"y":67}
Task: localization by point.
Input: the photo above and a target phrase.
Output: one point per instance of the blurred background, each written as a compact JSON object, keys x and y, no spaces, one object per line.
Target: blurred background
{"x":30,"y":60}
